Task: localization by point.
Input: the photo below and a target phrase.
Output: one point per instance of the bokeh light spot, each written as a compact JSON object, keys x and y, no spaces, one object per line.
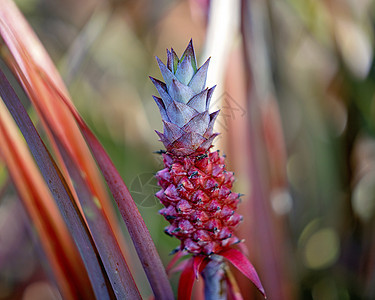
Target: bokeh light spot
{"x":322,"y":249}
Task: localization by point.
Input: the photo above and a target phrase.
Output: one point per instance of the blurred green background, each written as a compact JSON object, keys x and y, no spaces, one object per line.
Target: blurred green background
{"x":319,"y":56}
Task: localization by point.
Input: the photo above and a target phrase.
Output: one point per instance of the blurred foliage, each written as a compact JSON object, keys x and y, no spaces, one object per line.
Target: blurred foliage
{"x":324,"y":76}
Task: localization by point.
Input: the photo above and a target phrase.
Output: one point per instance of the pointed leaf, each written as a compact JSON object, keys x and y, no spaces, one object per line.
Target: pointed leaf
{"x":136,"y":226}
{"x":160,"y":104}
{"x":58,"y":187}
{"x":209,"y":96}
{"x":189,"y":140}
{"x":166,"y":73}
{"x":185,"y":71}
{"x":114,"y":263}
{"x":240,"y":261}
{"x":198,"y":82}
{"x":171,"y":131}
{"x":32,"y":66}
{"x":207,"y":143}
{"x":210,"y":126}
{"x":53,"y":234}
{"x":180,"y":92}
{"x":170,"y":61}
{"x":199,"y":101}
{"x":162,"y":90}
{"x":189,"y":51}
{"x":175,"y":60}
{"x":164,"y":140}
{"x":174,"y":260}
{"x":197,"y":265}
{"x":198,"y":123}
{"x":185,"y":284}
{"x":180,"y":113}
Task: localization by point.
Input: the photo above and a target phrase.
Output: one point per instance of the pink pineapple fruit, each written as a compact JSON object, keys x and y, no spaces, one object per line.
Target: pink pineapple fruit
{"x":195,"y":185}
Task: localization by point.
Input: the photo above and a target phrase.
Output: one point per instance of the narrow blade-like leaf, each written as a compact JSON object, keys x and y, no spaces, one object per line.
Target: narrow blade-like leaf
{"x":114,"y":263}
{"x":58,"y":188}
{"x":136,"y":226}
{"x":60,"y":249}
{"x":186,"y":282}
{"x":28,"y":59}
{"x":240,"y":261}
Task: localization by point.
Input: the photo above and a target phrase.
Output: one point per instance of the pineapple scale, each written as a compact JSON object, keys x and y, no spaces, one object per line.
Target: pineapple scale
{"x":199,"y":203}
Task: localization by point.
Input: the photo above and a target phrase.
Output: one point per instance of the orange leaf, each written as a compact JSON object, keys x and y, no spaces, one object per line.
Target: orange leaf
{"x":57,"y":243}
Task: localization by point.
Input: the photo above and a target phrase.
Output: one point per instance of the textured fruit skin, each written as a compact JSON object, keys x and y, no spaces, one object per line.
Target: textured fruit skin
{"x":196,"y":188}
{"x":199,"y":204}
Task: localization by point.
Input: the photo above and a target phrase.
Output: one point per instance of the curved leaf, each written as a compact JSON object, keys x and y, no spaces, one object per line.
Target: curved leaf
{"x":27,"y":57}
{"x":114,"y":263}
{"x":60,"y":249}
{"x":186,"y":282}
{"x":137,"y":228}
{"x":240,"y":261}
{"x":58,"y":188}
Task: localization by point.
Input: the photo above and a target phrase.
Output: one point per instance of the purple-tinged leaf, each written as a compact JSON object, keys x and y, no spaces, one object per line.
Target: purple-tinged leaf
{"x":175,"y":60}
{"x":180,"y":113}
{"x":53,"y":234}
{"x":170,"y":61}
{"x":199,"y":101}
{"x":207,"y":143}
{"x":185,"y":71}
{"x":198,"y":123}
{"x":164,"y":139}
{"x":240,"y":261}
{"x":189,"y":140}
{"x":166,"y":73}
{"x":171,"y":131}
{"x":174,"y":260}
{"x":114,"y":263}
{"x":209,"y":96}
{"x":180,"y":92}
{"x":136,"y":226}
{"x":162,"y":90}
{"x":58,"y":188}
{"x":210,"y":126}
{"x":198,"y":82}
{"x":189,"y":51}
{"x":161,"y":106}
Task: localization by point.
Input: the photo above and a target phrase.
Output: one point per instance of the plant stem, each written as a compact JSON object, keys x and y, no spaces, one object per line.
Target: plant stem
{"x":214,"y":280}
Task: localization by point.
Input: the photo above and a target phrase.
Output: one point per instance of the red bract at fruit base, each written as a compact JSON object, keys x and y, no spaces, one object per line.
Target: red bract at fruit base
{"x":195,"y":185}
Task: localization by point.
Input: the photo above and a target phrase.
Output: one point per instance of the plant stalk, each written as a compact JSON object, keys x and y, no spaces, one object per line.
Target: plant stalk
{"x":215,"y":287}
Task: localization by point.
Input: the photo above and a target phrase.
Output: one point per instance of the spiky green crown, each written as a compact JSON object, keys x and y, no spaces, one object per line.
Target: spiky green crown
{"x":184,"y":103}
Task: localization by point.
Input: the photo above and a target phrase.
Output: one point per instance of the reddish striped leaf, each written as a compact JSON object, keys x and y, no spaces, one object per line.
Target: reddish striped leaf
{"x":174,"y":260}
{"x":138,"y":231}
{"x":240,"y":261}
{"x":59,"y":189}
{"x":198,"y":260}
{"x":114,"y":263}
{"x":186,"y":282}
{"x":52,"y":231}
{"x":28,"y":60}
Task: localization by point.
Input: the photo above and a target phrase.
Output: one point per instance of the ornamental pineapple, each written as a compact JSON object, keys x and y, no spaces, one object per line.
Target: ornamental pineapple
{"x":196,"y":187}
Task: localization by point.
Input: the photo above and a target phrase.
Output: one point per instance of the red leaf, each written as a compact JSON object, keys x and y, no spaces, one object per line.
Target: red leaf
{"x":174,"y":260}
{"x":185,"y":284}
{"x":241,"y":262}
{"x":180,"y":267}
{"x":200,"y":262}
{"x":137,"y":229}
